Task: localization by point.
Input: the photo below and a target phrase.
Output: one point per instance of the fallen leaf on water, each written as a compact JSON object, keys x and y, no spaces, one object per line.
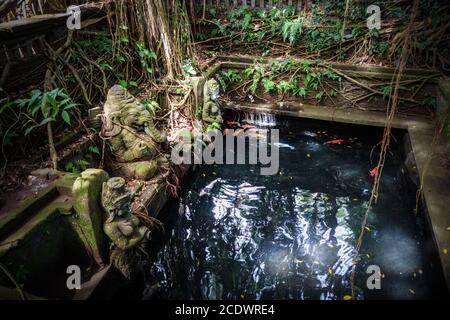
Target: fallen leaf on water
{"x":336,"y":141}
{"x":347,"y":297}
{"x":445,"y":251}
{"x":412,"y":291}
{"x":308,"y":155}
{"x":367,"y":228}
{"x":330,"y":271}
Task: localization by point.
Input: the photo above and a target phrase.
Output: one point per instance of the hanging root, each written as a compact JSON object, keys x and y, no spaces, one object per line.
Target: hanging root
{"x":150,"y":222}
{"x":391,"y":111}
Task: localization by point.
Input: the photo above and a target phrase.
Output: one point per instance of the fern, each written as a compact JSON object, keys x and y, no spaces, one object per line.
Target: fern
{"x":292,"y":30}
{"x":285,"y":86}
{"x":268,"y":85}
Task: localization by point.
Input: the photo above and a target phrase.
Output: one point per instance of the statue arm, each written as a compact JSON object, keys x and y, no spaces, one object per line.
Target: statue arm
{"x":119,"y":239}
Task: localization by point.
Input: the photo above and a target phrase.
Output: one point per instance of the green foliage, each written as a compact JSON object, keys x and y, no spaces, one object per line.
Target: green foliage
{"x":43,"y":107}
{"x":100,"y":43}
{"x":128,"y":84}
{"x":151,"y":105}
{"x":284,"y":23}
{"x":214,"y":126}
{"x":292,"y":30}
{"x":145,"y":57}
{"x":227,"y":77}
{"x":291,"y":76}
{"x":82,"y":160}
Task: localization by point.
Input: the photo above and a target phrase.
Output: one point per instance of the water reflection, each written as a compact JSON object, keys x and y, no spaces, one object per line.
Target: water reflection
{"x":292,"y":236}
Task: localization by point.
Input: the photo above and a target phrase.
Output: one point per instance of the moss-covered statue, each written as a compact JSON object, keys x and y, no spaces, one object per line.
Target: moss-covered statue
{"x":122,"y":227}
{"x":211,"y":111}
{"x":135,"y":142}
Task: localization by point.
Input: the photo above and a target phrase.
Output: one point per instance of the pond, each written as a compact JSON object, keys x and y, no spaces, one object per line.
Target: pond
{"x":236,"y":234}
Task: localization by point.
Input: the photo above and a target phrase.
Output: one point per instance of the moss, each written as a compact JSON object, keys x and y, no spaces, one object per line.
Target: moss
{"x":87,"y":203}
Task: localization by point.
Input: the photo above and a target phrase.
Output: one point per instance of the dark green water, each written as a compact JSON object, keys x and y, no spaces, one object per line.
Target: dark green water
{"x":235,"y":234}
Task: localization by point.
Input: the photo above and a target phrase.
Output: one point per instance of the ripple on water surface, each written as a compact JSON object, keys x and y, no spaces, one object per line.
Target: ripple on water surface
{"x":292,"y":235}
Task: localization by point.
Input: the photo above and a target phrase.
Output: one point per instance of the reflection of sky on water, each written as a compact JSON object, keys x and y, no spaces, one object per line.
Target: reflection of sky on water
{"x":292,"y":236}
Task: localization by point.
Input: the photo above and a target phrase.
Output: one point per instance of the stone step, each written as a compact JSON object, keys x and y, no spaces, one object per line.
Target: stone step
{"x":60,"y":205}
{"x":19,"y":216}
{"x":15,"y":218}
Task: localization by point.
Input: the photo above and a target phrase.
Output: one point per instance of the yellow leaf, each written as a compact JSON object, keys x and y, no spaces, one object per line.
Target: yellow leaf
{"x":330,"y":271}
{"x":347,"y":297}
{"x":445,"y":251}
{"x":448,"y":228}
{"x":412,"y":291}
{"x":367,"y":228}
{"x":308,"y":155}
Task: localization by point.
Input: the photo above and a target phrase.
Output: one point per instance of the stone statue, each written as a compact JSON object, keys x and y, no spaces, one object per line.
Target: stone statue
{"x":134,"y":140}
{"x":211,"y":111}
{"x":121,"y":226}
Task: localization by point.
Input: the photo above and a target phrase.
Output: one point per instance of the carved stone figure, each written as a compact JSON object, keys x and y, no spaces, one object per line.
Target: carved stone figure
{"x":133,"y":138}
{"x":121,"y":226}
{"x":211,"y":111}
